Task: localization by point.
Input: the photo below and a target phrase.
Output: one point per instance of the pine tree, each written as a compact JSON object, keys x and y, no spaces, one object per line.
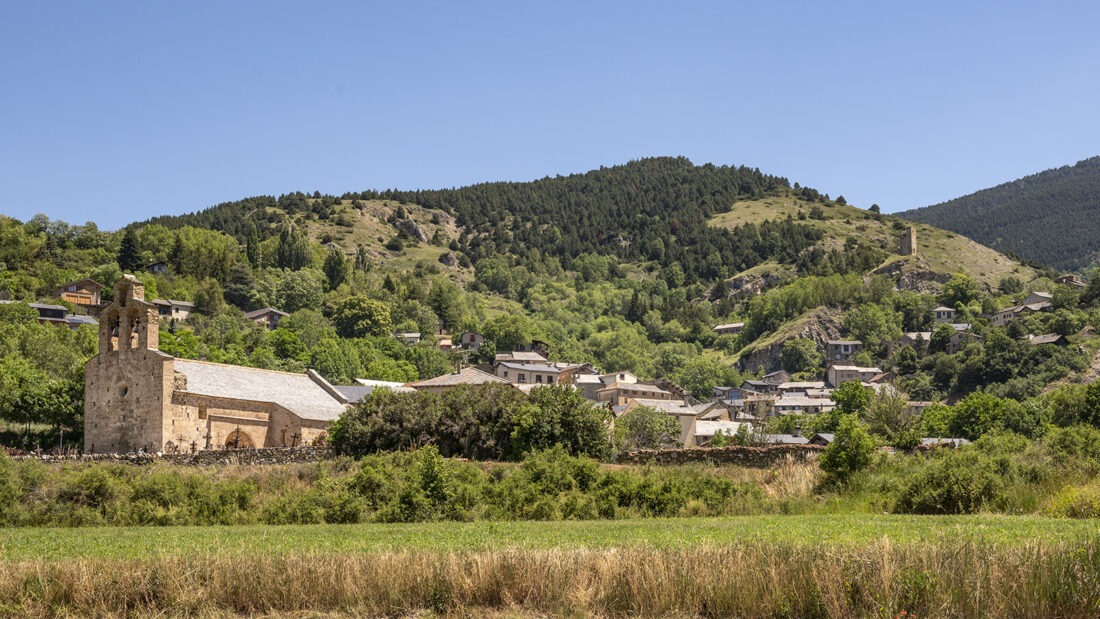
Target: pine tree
{"x":129,"y":258}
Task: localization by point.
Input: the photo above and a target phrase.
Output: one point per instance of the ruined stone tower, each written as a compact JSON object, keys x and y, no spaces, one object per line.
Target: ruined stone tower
{"x":907,"y":242}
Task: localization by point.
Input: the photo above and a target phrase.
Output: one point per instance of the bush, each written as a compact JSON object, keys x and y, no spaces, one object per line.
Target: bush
{"x":955,"y":482}
{"x":646,"y":428}
{"x":850,"y":451}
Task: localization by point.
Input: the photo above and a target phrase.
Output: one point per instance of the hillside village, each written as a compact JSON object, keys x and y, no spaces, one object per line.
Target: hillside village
{"x":346,"y":296}
{"x":770,"y":405}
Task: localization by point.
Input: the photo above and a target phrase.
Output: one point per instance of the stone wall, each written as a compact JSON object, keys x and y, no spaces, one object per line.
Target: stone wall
{"x":759,"y":457}
{"x":271,"y":455}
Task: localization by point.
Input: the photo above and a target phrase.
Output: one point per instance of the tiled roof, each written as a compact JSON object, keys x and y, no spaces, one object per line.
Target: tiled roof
{"x":520,"y":356}
{"x":301,"y":394}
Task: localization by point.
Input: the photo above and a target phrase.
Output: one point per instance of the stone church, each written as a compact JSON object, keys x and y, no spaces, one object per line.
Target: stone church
{"x":138,"y":398}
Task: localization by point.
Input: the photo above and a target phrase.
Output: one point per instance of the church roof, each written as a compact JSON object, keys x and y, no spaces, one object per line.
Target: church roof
{"x":300,"y":394}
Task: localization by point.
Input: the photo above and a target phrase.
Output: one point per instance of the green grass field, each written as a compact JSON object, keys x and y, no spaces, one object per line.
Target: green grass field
{"x":832,"y":530}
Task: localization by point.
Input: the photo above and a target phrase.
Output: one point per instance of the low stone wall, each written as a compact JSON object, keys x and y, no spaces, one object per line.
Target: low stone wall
{"x":759,"y":457}
{"x":273,"y":455}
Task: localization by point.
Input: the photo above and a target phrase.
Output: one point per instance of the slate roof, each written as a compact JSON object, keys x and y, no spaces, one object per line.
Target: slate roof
{"x":354,"y":393}
{"x":253,"y":315}
{"x":173,"y":302}
{"x":301,"y":394}
{"x":468,"y":376}
{"x":532,"y":367}
{"x":710,"y":428}
{"x":520,"y":356}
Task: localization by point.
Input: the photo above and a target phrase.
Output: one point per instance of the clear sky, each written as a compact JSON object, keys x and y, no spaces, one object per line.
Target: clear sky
{"x":118,"y":111}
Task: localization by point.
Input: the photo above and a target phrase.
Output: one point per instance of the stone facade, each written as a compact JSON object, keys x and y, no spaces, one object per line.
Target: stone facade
{"x":137,"y":398}
{"x":907,"y":242}
{"x":760,"y":457}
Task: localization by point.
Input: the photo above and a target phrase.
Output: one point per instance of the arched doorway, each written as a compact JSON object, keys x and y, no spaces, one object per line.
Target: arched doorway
{"x":238,"y":439}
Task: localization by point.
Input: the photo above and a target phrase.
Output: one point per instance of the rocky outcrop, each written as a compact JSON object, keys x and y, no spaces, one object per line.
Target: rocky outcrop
{"x":913,"y":274}
{"x":411,"y":228}
{"x":820,"y":326}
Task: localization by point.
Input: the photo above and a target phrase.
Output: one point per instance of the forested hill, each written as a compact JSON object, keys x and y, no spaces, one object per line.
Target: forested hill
{"x":1052,"y":217}
{"x":652,"y":209}
{"x":647,"y":210}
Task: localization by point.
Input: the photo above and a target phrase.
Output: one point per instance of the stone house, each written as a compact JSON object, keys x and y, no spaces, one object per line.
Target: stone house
{"x":841,"y":350}
{"x":138,"y":398}
{"x":1072,"y":280}
{"x":944,"y":314}
{"x":268,"y":317}
{"x":172,"y":309}
{"x":1037,"y":297}
{"x":619,"y":394}
{"x":471,"y":341}
{"x":522,"y":373}
{"x":838,"y":374}
{"x":1009,"y":314}
{"x":465,"y":376}
{"x":732,"y":328}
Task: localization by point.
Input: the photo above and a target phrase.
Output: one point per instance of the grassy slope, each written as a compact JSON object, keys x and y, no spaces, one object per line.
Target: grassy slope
{"x":831,"y":530}
{"x":370,"y":229}
{"x":944,"y":251}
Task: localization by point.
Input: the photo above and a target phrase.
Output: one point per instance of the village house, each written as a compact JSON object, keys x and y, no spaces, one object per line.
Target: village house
{"x":85,"y":293}
{"x":838,"y":374}
{"x":1037,"y":297}
{"x":788,"y":404}
{"x":57,"y":315}
{"x":268,"y":317}
{"x":444,"y":343}
{"x":1055,"y":339}
{"x":842,"y":350}
{"x":466,"y":376}
{"x":1010,"y":314}
{"x":731,"y":328}
{"x":540,"y":374}
{"x":944,"y":314}
{"x":408,"y":338}
{"x":138,"y":398}
{"x":471,"y":341}
{"x":157,"y":268}
{"x":171,"y":309}
{"x":521,"y":357}
{"x":620,"y":394}
{"x":1074,"y":281}
{"x":800,"y":386}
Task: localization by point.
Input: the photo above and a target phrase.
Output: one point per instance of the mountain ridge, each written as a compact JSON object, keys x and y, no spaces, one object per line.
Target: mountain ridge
{"x":1050,"y":217}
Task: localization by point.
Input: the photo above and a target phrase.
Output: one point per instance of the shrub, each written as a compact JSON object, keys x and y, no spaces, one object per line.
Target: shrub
{"x":646,"y":428}
{"x":850,"y":451}
{"x":955,"y":482}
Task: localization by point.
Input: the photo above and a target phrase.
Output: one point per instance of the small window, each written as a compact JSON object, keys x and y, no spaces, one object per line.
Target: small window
{"x":538,"y":378}
{"x":522,"y":378}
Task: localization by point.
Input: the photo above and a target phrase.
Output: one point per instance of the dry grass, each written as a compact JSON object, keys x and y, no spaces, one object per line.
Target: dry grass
{"x":879,"y":579}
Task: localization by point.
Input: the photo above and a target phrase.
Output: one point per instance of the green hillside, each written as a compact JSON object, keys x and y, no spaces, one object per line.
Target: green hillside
{"x":1052,"y":217}
{"x":940,"y":251}
{"x":628,"y":267}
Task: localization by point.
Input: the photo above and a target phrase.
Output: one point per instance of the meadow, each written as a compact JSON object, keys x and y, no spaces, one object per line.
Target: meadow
{"x":766,"y":566}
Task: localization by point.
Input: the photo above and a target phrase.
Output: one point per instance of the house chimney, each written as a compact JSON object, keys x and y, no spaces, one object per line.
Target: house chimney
{"x":797,"y":431}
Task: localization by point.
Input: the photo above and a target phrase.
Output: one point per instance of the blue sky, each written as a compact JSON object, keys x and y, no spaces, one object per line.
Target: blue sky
{"x":115,"y":112}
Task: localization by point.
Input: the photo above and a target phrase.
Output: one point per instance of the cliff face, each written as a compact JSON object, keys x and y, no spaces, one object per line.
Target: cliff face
{"x":820,"y":325}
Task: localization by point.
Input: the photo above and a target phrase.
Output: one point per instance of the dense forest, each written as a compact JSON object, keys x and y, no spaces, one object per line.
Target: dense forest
{"x":1050,"y":217}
